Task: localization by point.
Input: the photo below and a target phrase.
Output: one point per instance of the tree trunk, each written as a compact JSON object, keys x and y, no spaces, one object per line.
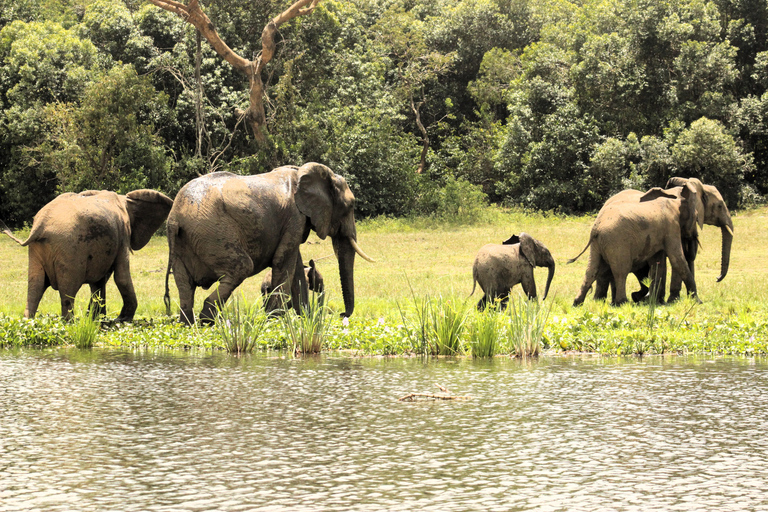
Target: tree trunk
{"x":193,"y":14}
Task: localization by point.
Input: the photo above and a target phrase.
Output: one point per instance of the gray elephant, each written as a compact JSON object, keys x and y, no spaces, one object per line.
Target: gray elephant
{"x":499,"y":267}
{"x":715,"y":213}
{"x":85,"y":238}
{"x":627,"y":235}
{"x":224,"y":228}
{"x":311,"y":274}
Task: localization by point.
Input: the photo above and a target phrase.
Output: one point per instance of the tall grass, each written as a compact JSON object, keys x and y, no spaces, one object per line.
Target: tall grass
{"x":525,"y":328}
{"x":484,"y":332}
{"x":240,"y":324}
{"x":307,"y":331}
{"x":437,"y":326}
{"x":83,"y":329}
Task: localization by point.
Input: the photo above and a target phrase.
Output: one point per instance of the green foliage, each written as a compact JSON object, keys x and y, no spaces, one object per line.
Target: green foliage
{"x":706,"y":151}
{"x":307,"y":331}
{"x":485,"y":332}
{"x":543,"y":104}
{"x":43,"y":331}
{"x":525,"y":326}
{"x":240,"y":324}
{"x":83,"y":330}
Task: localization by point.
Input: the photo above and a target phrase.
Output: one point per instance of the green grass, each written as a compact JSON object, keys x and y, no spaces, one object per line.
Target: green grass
{"x":432,"y":260}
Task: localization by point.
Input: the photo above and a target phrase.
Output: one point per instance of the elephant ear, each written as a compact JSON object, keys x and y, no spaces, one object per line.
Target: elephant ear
{"x":676,"y":182}
{"x":528,"y":248}
{"x":656,"y":193}
{"x":314,"y":196}
{"x":514,"y":239}
{"x":147,"y":209}
{"x":689,"y":213}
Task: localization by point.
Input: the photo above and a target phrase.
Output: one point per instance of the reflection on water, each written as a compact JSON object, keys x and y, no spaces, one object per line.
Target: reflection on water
{"x":118,"y":431}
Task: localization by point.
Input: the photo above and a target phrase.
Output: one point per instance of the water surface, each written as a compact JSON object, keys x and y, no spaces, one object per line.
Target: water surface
{"x":109,"y":430}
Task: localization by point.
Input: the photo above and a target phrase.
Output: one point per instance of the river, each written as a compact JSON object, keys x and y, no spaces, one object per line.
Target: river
{"x":179,"y":431}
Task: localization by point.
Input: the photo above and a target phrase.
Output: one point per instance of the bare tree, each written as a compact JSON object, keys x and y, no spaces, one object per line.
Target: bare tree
{"x":193,"y":14}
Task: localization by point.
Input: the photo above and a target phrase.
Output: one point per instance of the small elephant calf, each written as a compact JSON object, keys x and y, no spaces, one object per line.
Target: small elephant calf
{"x":500,"y":267}
{"x":314,"y":280}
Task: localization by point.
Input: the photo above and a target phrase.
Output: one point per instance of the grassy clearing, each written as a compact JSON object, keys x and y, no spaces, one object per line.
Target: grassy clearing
{"x":425,"y":260}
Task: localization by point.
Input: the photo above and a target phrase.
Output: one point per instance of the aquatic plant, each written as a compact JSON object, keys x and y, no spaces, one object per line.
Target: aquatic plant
{"x":83,"y":329}
{"x":307,"y":331}
{"x":484,"y":332}
{"x":240,"y":324}
{"x":526,"y":320}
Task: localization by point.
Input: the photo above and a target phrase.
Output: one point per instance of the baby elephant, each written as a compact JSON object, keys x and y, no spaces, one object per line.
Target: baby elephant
{"x":314,"y":280}
{"x":500,"y":267}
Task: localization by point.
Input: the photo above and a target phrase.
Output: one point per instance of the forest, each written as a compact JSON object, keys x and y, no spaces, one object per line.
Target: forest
{"x":427,"y":107}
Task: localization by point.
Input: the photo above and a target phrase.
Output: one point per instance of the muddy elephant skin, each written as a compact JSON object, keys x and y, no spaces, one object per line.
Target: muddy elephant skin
{"x":85,"y":238}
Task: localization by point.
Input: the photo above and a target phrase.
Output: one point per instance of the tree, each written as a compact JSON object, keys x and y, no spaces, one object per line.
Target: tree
{"x":252,"y":69}
{"x":403,"y":38}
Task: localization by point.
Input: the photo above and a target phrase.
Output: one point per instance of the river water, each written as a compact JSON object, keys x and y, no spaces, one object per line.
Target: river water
{"x":110,"y":430}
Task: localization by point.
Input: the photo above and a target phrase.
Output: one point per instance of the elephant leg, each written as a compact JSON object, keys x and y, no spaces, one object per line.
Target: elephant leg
{"x":481,"y":305}
{"x":124,"y":285}
{"x":620,"y":279}
{"x":299,"y":286}
{"x":97,"y":307}
{"x":284,"y":266}
{"x":503,"y":300}
{"x":37,"y":283}
{"x":186,"y":292}
{"x":680,"y":267}
{"x":240,"y":267}
{"x":641,"y":274}
{"x":67,"y":293}
{"x":529,"y":285}
{"x":595,"y":261}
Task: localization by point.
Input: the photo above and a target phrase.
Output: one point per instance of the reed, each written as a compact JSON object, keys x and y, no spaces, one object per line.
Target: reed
{"x":484,"y":332}
{"x":526,"y":320}
{"x":447,"y":321}
{"x":307,"y":331}
{"x":240,"y":324}
{"x":83,"y":330}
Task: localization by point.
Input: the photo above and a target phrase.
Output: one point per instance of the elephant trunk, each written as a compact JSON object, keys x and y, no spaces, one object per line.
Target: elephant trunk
{"x":345,"y":252}
{"x":550,"y":275}
{"x":727,"y":232}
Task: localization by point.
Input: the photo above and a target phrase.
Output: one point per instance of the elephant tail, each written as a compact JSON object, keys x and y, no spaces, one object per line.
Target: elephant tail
{"x":582,"y":252}
{"x":173,"y":230}
{"x":474,"y":282}
{"x":8,"y":232}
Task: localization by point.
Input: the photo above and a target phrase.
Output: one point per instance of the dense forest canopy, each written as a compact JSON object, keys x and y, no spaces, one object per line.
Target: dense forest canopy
{"x":421,"y":104}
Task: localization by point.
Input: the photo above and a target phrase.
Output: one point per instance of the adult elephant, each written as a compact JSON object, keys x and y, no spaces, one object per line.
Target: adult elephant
{"x":627,"y":235}
{"x":499,"y":267}
{"x":85,"y":238}
{"x":224,"y":228}
{"x":713,"y":211}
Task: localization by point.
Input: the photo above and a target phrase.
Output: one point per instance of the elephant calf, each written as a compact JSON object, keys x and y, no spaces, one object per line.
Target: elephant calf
{"x":85,"y":238}
{"x":313,"y":276}
{"x":498,"y":268}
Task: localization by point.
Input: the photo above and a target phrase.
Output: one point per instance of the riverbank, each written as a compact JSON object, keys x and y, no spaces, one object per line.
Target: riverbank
{"x":424,"y":262}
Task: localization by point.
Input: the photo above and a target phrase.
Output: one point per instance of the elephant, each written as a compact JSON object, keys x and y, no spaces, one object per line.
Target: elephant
{"x":715,"y":213}
{"x":628,"y":234}
{"x":225,"y":228}
{"x":311,"y":274}
{"x":499,"y":267}
{"x":85,"y":238}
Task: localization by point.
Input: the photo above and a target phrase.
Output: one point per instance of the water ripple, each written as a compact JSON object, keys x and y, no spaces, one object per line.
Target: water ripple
{"x":166,"y":432}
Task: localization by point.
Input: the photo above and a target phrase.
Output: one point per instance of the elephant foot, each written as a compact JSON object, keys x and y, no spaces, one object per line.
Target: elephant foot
{"x":124,"y":319}
{"x":639,"y":295}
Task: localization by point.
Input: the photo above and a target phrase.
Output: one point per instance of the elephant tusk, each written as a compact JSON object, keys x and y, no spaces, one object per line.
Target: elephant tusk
{"x":359,"y":251}
{"x":730,"y":231}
